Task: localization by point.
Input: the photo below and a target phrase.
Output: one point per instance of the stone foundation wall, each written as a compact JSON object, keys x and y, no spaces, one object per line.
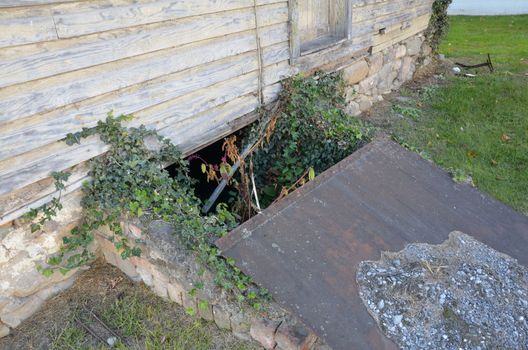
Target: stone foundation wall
{"x":172,"y":272}
{"x":22,"y":288}
{"x":370,"y":78}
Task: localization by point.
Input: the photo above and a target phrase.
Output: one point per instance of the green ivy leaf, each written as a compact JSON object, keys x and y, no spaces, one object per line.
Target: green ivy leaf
{"x":47,"y":272}
{"x":311,"y":174}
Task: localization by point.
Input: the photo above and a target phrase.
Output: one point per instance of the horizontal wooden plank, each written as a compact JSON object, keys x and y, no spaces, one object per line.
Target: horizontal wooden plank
{"x":374,"y":25}
{"x":46,"y":94}
{"x":55,"y":125}
{"x":36,"y":194}
{"x":22,"y":170}
{"x":276,"y":53}
{"x":88,"y":19}
{"x":23,"y":135}
{"x":64,"y":156}
{"x":18,"y":27}
{"x":17,"y":203}
{"x":20,"y":3}
{"x":30,"y":62}
{"x":277,"y":72}
{"x":378,"y":10}
{"x":195,"y":131}
{"x":349,"y":50}
{"x":380,"y":42}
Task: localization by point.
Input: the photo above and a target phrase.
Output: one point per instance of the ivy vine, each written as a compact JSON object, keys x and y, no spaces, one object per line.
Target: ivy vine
{"x":439,"y":23}
{"x":311,"y":133}
{"x":130,"y":181}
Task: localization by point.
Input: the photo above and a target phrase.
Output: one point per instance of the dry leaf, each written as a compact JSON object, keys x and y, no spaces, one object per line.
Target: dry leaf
{"x":505,"y":138}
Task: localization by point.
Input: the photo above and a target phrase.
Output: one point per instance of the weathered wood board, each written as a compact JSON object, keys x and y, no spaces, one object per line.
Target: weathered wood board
{"x":188,"y":68}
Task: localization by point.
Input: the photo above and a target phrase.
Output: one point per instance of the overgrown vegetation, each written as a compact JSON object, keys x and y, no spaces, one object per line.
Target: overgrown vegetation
{"x":130,"y":181}
{"x":439,"y":23}
{"x":311,"y":132}
{"x":307,"y":133}
{"x":477,"y":128}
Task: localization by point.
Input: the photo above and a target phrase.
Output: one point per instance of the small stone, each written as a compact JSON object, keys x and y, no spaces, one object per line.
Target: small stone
{"x":111,"y":341}
{"x":381,"y":304}
{"x":175,"y":292}
{"x":4,"y":330}
{"x":397,"y":319}
{"x":294,"y":337}
{"x":127,"y":267}
{"x":356,"y":72}
{"x":413,"y":46}
{"x":221,"y":317}
{"x":240,"y":325}
{"x":375,"y":63}
{"x":263,"y":331}
{"x":401,"y":51}
{"x":364,"y":103}
{"x":353,"y":109}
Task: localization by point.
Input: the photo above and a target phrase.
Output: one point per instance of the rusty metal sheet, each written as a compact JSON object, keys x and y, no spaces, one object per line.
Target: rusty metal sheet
{"x":306,"y":248}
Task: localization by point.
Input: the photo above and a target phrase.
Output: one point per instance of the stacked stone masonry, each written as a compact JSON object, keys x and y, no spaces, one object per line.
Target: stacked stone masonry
{"x":172,"y":273}
{"x":23,"y":289}
{"x":368,"y":79}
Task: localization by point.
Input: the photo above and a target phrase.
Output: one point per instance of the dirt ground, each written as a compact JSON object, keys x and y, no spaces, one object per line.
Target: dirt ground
{"x":381,"y":114}
{"x":104,"y":303}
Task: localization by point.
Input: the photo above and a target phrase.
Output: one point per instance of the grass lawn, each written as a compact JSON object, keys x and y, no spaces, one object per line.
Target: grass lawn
{"x":478,"y":126}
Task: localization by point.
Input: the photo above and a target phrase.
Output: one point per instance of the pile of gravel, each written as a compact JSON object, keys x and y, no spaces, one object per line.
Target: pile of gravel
{"x":460,"y":294}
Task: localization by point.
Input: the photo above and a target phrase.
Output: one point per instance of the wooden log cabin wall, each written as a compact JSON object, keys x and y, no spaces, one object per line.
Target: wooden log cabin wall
{"x":193,"y":69}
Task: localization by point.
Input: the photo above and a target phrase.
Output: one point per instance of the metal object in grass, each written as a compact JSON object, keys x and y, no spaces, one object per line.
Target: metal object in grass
{"x":111,"y":338}
{"x":488,"y":64}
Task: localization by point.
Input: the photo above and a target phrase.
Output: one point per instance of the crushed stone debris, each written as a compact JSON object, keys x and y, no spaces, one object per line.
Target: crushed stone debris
{"x":460,"y":294}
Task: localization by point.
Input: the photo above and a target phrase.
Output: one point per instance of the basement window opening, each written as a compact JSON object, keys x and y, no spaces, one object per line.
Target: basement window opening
{"x":210,"y":155}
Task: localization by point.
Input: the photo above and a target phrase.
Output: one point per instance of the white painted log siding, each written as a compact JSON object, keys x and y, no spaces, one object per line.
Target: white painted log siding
{"x":187,"y":68}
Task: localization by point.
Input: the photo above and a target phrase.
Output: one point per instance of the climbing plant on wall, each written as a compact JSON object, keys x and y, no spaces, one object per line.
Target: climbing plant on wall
{"x":310,"y":134}
{"x":439,"y":23}
{"x":130,"y":181}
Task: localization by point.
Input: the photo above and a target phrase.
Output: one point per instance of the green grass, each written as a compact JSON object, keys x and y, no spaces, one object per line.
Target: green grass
{"x":144,"y":322}
{"x":504,"y":37}
{"x":479,"y":126}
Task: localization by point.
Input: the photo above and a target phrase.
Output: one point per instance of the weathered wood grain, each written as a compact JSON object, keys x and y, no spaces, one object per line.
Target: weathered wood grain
{"x":50,"y":93}
{"x":20,"y":171}
{"x":26,"y":134}
{"x":97,"y":18}
{"x":18,"y":27}
{"x":374,"y":25}
{"x":379,"y":10}
{"x":20,"y":3}
{"x":55,"y":125}
{"x":380,"y":42}
{"x":30,"y":62}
